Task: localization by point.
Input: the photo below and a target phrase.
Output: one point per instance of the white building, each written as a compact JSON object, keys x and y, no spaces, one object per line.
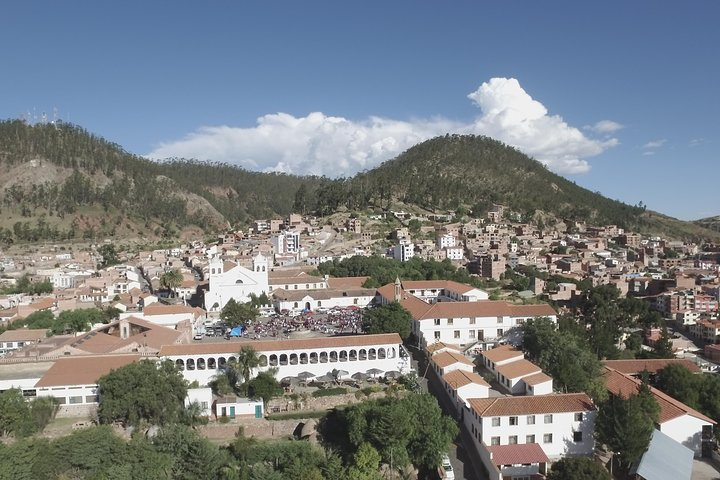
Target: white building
{"x":352,"y":354}
{"x":445,"y":241}
{"x":13,"y":339}
{"x":678,"y":421}
{"x":228,"y":280}
{"x":203,"y":397}
{"x":461,"y":386}
{"x":454,"y":253}
{"x":562,"y":424}
{"x":72,"y":381}
{"x":459,"y":322}
{"x":404,"y":251}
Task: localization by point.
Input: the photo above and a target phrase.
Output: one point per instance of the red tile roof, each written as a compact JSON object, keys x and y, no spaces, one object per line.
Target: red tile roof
{"x":502,"y":353}
{"x":633,"y":367}
{"x":434,"y":347}
{"x":460,"y":378}
{"x":162,"y":309}
{"x":518,"y":454}
{"x":537,"y":379}
{"x":445,"y":359}
{"x":532,"y":405}
{"x":277,"y":345}
{"x":85,"y":370}
{"x":624,"y":385}
{"x":23,"y":334}
{"x":346,"y":282}
{"x":518,"y":369}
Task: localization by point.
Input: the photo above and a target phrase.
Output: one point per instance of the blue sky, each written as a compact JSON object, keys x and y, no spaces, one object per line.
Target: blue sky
{"x":621,"y":97}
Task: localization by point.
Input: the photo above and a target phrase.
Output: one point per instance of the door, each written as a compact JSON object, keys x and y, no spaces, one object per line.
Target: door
{"x":232,"y":412}
{"x":258,"y":411}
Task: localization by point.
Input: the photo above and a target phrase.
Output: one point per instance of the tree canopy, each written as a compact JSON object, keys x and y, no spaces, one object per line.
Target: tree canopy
{"x":237,"y":313}
{"x":143,"y":391}
{"x":626,"y":424}
{"x":391,"y":318}
{"x":578,"y":468}
{"x":411,"y":429}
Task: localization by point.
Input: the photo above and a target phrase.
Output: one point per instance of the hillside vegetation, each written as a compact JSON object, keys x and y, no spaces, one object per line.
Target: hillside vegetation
{"x":58,"y":181}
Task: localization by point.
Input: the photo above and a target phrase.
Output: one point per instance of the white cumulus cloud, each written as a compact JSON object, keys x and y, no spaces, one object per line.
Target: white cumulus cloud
{"x":319,"y":144}
{"x":605,"y":126}
{"x":655,"y":143}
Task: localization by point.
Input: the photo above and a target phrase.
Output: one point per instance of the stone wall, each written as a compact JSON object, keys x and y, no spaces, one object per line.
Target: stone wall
{"x":77,"y":411}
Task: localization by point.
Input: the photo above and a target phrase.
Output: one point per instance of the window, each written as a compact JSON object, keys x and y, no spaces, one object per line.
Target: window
{"x":499,"y":319}
{"x":437,"y":322}
{"x":530,"y":420}
{"x":519,"y":321}
{"x":496,"y":421}
{"x":530,"y":439}
{"x":204,"y":405}
{"x":547,"y":438}
{"x":513,"y":420}
{"x":512,"y":440}
{"x":548,"y":418}
{"x":500,"y":332}
{"x":450,"y":321}
{"x":437,"y":335}
{"x":472,"y":320}
{"x":75,"y":399}
{"x":456,"y":334}
{"x":471,"y":333}
{"x":494,"y":440}
{"x":579,"y":417}
{"x":577,"y":437}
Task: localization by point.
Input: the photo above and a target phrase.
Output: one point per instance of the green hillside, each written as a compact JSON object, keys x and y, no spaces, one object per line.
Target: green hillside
{"x":61,"y":182}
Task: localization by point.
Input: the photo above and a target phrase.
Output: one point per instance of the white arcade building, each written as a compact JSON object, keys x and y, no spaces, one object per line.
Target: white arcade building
{"x":318,"y":356}
{"x":230,"y":280}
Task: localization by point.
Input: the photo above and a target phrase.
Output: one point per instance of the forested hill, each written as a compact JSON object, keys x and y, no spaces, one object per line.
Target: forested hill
{"x":57,"y":181}
{"x":474,"y":172}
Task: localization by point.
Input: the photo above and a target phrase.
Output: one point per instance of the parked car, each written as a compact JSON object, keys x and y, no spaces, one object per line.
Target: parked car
{"x":446,"y":468}
{"x":198,"y":336}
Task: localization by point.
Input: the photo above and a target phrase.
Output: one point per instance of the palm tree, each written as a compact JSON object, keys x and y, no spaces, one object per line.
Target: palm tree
{"x":171,"y":280}
{"x":247,"y":360}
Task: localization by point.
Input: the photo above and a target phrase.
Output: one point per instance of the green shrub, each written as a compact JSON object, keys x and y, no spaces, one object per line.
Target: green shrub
{"x":329,"y":392}
{"x":297,"y":415}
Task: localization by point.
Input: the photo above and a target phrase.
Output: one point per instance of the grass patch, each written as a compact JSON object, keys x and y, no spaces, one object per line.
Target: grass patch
{"x":299,"y":415}
{"x":329,"y":392}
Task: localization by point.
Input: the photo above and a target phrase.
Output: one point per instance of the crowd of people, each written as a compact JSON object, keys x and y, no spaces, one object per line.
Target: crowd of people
{"x":335,"y":321}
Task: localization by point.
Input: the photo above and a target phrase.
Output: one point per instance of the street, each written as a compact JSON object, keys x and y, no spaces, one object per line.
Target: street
{"x":458,"y":454}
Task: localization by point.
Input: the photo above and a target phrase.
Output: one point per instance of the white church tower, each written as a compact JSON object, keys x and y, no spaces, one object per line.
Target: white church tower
{"x":229,"y":280}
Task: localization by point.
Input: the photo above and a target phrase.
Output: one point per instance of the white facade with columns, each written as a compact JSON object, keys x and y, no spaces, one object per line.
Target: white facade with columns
{"x":357,"y":353}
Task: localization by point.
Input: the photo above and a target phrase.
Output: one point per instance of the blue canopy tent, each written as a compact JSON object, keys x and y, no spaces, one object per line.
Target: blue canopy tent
{"x":236,"y":331}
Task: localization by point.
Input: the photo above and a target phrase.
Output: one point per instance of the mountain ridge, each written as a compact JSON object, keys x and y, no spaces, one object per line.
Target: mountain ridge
{"x":58,"y":181}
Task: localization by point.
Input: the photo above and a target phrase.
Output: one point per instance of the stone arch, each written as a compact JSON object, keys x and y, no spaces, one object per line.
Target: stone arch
{"x":201,"y":364}
{"x":293,"y":359}
{"x":353,"y":355}
{"x":212,"y":364}
{"x":362,"y":354}
{"x":313,"y":357}
{"x":334,"y":356}
{"x":343,"y":356}
{"x":273,"y":360}
{"x":372,"y":354}
{"x":323,"y":357}
{"x":303,"y":359}
{"x":263,"y":360}
{"x":190,"y":364}
{"x":381,"y":353}
{"x":180,"y":364}
{"x":283,"y":359}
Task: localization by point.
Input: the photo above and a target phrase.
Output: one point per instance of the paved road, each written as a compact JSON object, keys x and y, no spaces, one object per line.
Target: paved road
{"x":458,"y":454}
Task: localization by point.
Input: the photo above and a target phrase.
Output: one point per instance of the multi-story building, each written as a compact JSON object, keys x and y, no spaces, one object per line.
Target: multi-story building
{"x":460,"y":322}
{"x":562,"y":424}
{"x":404,"y":251}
